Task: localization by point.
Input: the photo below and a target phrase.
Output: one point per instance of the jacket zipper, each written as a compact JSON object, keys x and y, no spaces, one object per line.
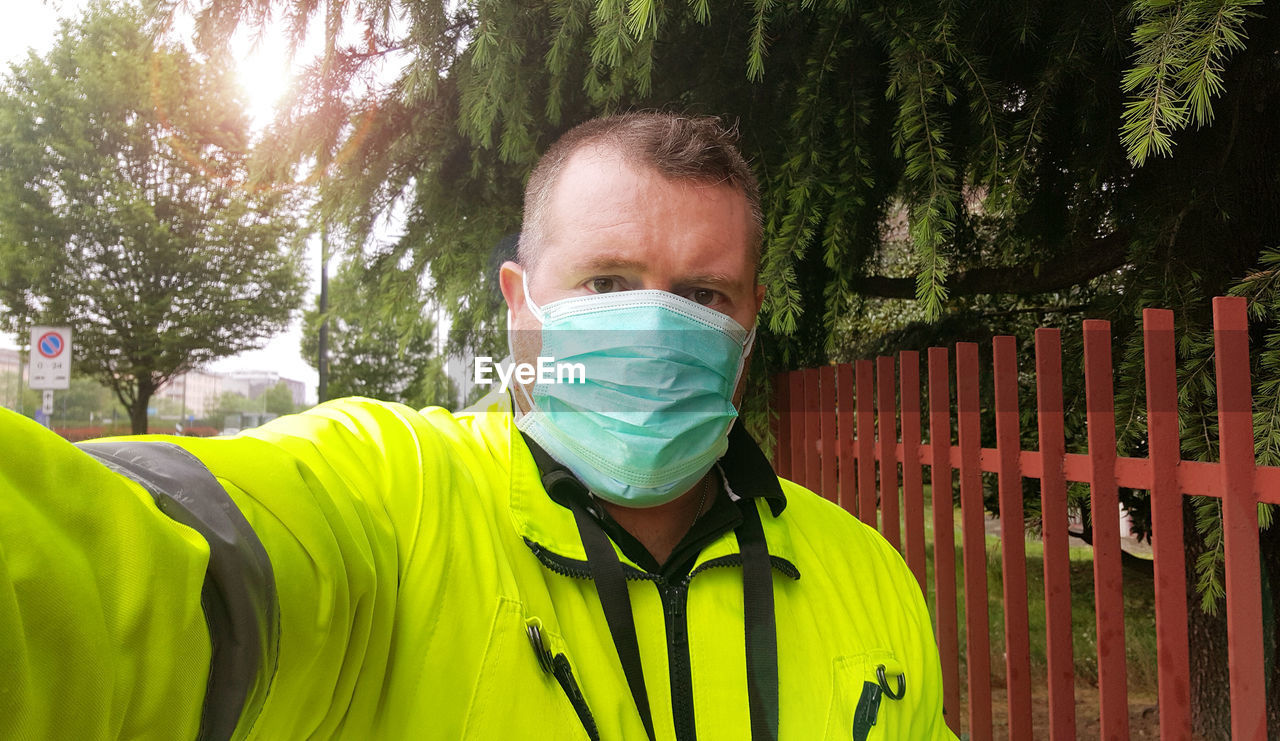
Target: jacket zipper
{"x":864,"y":715}
{"x":674,"y":602}
{"x":575,"y":569}
{"x":783,"y":566}
{"x":563,"y":673}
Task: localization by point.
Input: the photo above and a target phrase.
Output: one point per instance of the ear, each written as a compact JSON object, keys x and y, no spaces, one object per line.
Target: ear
{"x":511,"y":280}
{"x":741,"y":390}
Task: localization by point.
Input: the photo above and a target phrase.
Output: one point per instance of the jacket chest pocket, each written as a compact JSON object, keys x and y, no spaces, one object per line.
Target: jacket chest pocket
{"x":866,"y":700}
{"x":521,"y":691}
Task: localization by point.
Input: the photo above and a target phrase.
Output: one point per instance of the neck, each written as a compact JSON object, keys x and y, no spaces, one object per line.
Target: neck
{"x":660,"y":529}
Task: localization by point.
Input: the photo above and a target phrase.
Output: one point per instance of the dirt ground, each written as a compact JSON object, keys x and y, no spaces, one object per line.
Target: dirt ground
{"x":1144,"y":715}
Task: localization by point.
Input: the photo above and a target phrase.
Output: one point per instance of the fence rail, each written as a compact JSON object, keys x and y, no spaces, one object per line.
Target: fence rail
{"x":839,"y":447}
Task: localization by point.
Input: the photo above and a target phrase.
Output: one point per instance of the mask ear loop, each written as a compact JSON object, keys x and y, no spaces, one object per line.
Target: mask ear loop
{"x":528,"y":399}
{"x":737,"y":377}
{"x":511,"y":351}
{"x":742,"y":361}
{"x":528,"y":298}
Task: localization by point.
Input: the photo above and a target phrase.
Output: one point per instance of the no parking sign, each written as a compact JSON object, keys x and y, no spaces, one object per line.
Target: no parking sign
{"x":50,"y":358}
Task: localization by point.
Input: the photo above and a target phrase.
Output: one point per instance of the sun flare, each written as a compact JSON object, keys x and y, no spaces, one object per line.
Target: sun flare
{"x":264,"y":73}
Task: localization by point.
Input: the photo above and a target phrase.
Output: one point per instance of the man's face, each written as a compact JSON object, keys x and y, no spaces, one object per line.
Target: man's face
{"x":614,"y":226}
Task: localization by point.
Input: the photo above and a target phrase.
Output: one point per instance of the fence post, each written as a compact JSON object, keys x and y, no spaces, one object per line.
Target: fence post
{"x":844,"y":421}
{"x":827,"y":378}
{"x":866,"y":442}
{"x":1053,"y":517}
{"x":796,"y":414}
{"x":812,"y":430}
{"x":944,"y":533}
{"x":1169,"y":558}
{"x":886,"y":414}
{"x":1239,"y":519}
{"x":977,"y":619}
{"x":912,"y":486}
{"x":1108,"y":582}
{"x":1013,"y":549}
{"x":777,"y":425}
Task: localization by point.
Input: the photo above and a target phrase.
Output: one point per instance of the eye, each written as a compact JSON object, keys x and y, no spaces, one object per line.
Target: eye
{"x":603,"y":285}
{"x":704,"y":296}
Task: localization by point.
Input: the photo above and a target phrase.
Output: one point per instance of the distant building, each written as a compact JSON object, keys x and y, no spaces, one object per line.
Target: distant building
{"x":258,"y":382}
{"x":10,"y":361}
{"x":12,"y":378}
{"x":198,"y":391}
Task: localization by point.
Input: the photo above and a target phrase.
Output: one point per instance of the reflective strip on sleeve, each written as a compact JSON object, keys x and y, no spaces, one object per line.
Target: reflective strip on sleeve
{"x":239,"y":593}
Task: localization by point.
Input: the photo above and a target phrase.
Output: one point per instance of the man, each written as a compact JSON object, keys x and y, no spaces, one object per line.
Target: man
{"x":601,"y":556}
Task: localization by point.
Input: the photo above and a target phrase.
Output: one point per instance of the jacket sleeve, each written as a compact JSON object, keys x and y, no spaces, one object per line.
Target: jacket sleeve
{"x":110,"y":579}
{"x":102,"y":634}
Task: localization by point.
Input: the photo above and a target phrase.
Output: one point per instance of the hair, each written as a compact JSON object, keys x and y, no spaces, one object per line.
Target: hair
{"x":683,"y":148}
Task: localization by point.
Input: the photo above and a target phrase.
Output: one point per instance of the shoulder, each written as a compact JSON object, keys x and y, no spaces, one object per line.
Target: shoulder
{"x":829,"y":529}
{"x":354,"y":423}
{"x":366,"y":443}
{"x":845,"y":554}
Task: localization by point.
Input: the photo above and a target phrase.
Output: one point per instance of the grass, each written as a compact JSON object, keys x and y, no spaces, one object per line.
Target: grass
{"x":1139,"y":609}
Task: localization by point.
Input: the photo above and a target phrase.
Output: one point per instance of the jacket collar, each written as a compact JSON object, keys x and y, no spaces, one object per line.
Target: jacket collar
{"x":541,"y":521}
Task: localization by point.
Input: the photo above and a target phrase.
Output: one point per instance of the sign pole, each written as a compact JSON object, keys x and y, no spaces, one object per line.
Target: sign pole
{"x":22,"y":402}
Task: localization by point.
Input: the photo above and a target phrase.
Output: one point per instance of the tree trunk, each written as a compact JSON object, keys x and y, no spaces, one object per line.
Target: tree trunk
{"x":1207,"y":639}
{"x":138,"y":417}
{"x":1270,"y":549}
{"x":138,"y":409}
{"x":1210,"y":678}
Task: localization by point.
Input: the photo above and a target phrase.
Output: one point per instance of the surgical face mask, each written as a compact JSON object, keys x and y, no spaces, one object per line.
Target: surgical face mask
{"x":640,"y":403}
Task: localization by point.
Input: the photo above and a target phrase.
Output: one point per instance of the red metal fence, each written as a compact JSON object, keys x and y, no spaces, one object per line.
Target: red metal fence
{"x":828,"y":441}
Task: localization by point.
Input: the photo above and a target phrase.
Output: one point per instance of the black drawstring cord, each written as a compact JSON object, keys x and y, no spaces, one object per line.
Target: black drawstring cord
{"x":761,"y":626}
{"x":611,"y":585}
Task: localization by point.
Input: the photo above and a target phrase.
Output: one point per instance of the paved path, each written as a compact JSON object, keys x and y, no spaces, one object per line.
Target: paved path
{"x":1139,"y":548}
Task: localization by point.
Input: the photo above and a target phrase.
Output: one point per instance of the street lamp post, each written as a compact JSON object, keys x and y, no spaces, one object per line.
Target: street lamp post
{"x":323,"y":361}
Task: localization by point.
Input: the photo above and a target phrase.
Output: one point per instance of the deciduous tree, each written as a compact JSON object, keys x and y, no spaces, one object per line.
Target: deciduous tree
{"x":381,"y":339}
{"x":126,"y":209}
{"x":278,"y":399}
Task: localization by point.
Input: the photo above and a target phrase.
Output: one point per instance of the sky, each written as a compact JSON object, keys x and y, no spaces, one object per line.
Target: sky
{"x":264,"y":74}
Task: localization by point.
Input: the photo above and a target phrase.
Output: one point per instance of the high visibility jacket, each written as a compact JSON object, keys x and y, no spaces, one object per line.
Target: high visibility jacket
{"x":390,"y":564}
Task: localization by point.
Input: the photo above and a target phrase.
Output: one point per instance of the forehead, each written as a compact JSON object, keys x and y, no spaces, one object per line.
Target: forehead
{"x":604,"y":206}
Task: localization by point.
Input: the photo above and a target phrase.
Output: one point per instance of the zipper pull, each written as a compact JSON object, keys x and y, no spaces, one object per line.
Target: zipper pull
{"x":864,"y":715}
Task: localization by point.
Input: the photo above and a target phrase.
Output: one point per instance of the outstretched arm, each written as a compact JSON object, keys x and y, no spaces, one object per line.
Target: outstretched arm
{"x":137,"y":602}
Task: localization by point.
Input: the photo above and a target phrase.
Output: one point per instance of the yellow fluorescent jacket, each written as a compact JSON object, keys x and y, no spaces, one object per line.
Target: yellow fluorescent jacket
{"x":402,"y":547}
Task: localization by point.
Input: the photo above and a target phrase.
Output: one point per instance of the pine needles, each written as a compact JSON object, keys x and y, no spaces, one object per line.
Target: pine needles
{"x":1181,"y":49}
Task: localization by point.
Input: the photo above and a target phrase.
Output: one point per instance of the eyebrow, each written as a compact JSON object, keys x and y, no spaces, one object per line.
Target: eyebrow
{"x":719,"y":280}
{"x":606,"y":263}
